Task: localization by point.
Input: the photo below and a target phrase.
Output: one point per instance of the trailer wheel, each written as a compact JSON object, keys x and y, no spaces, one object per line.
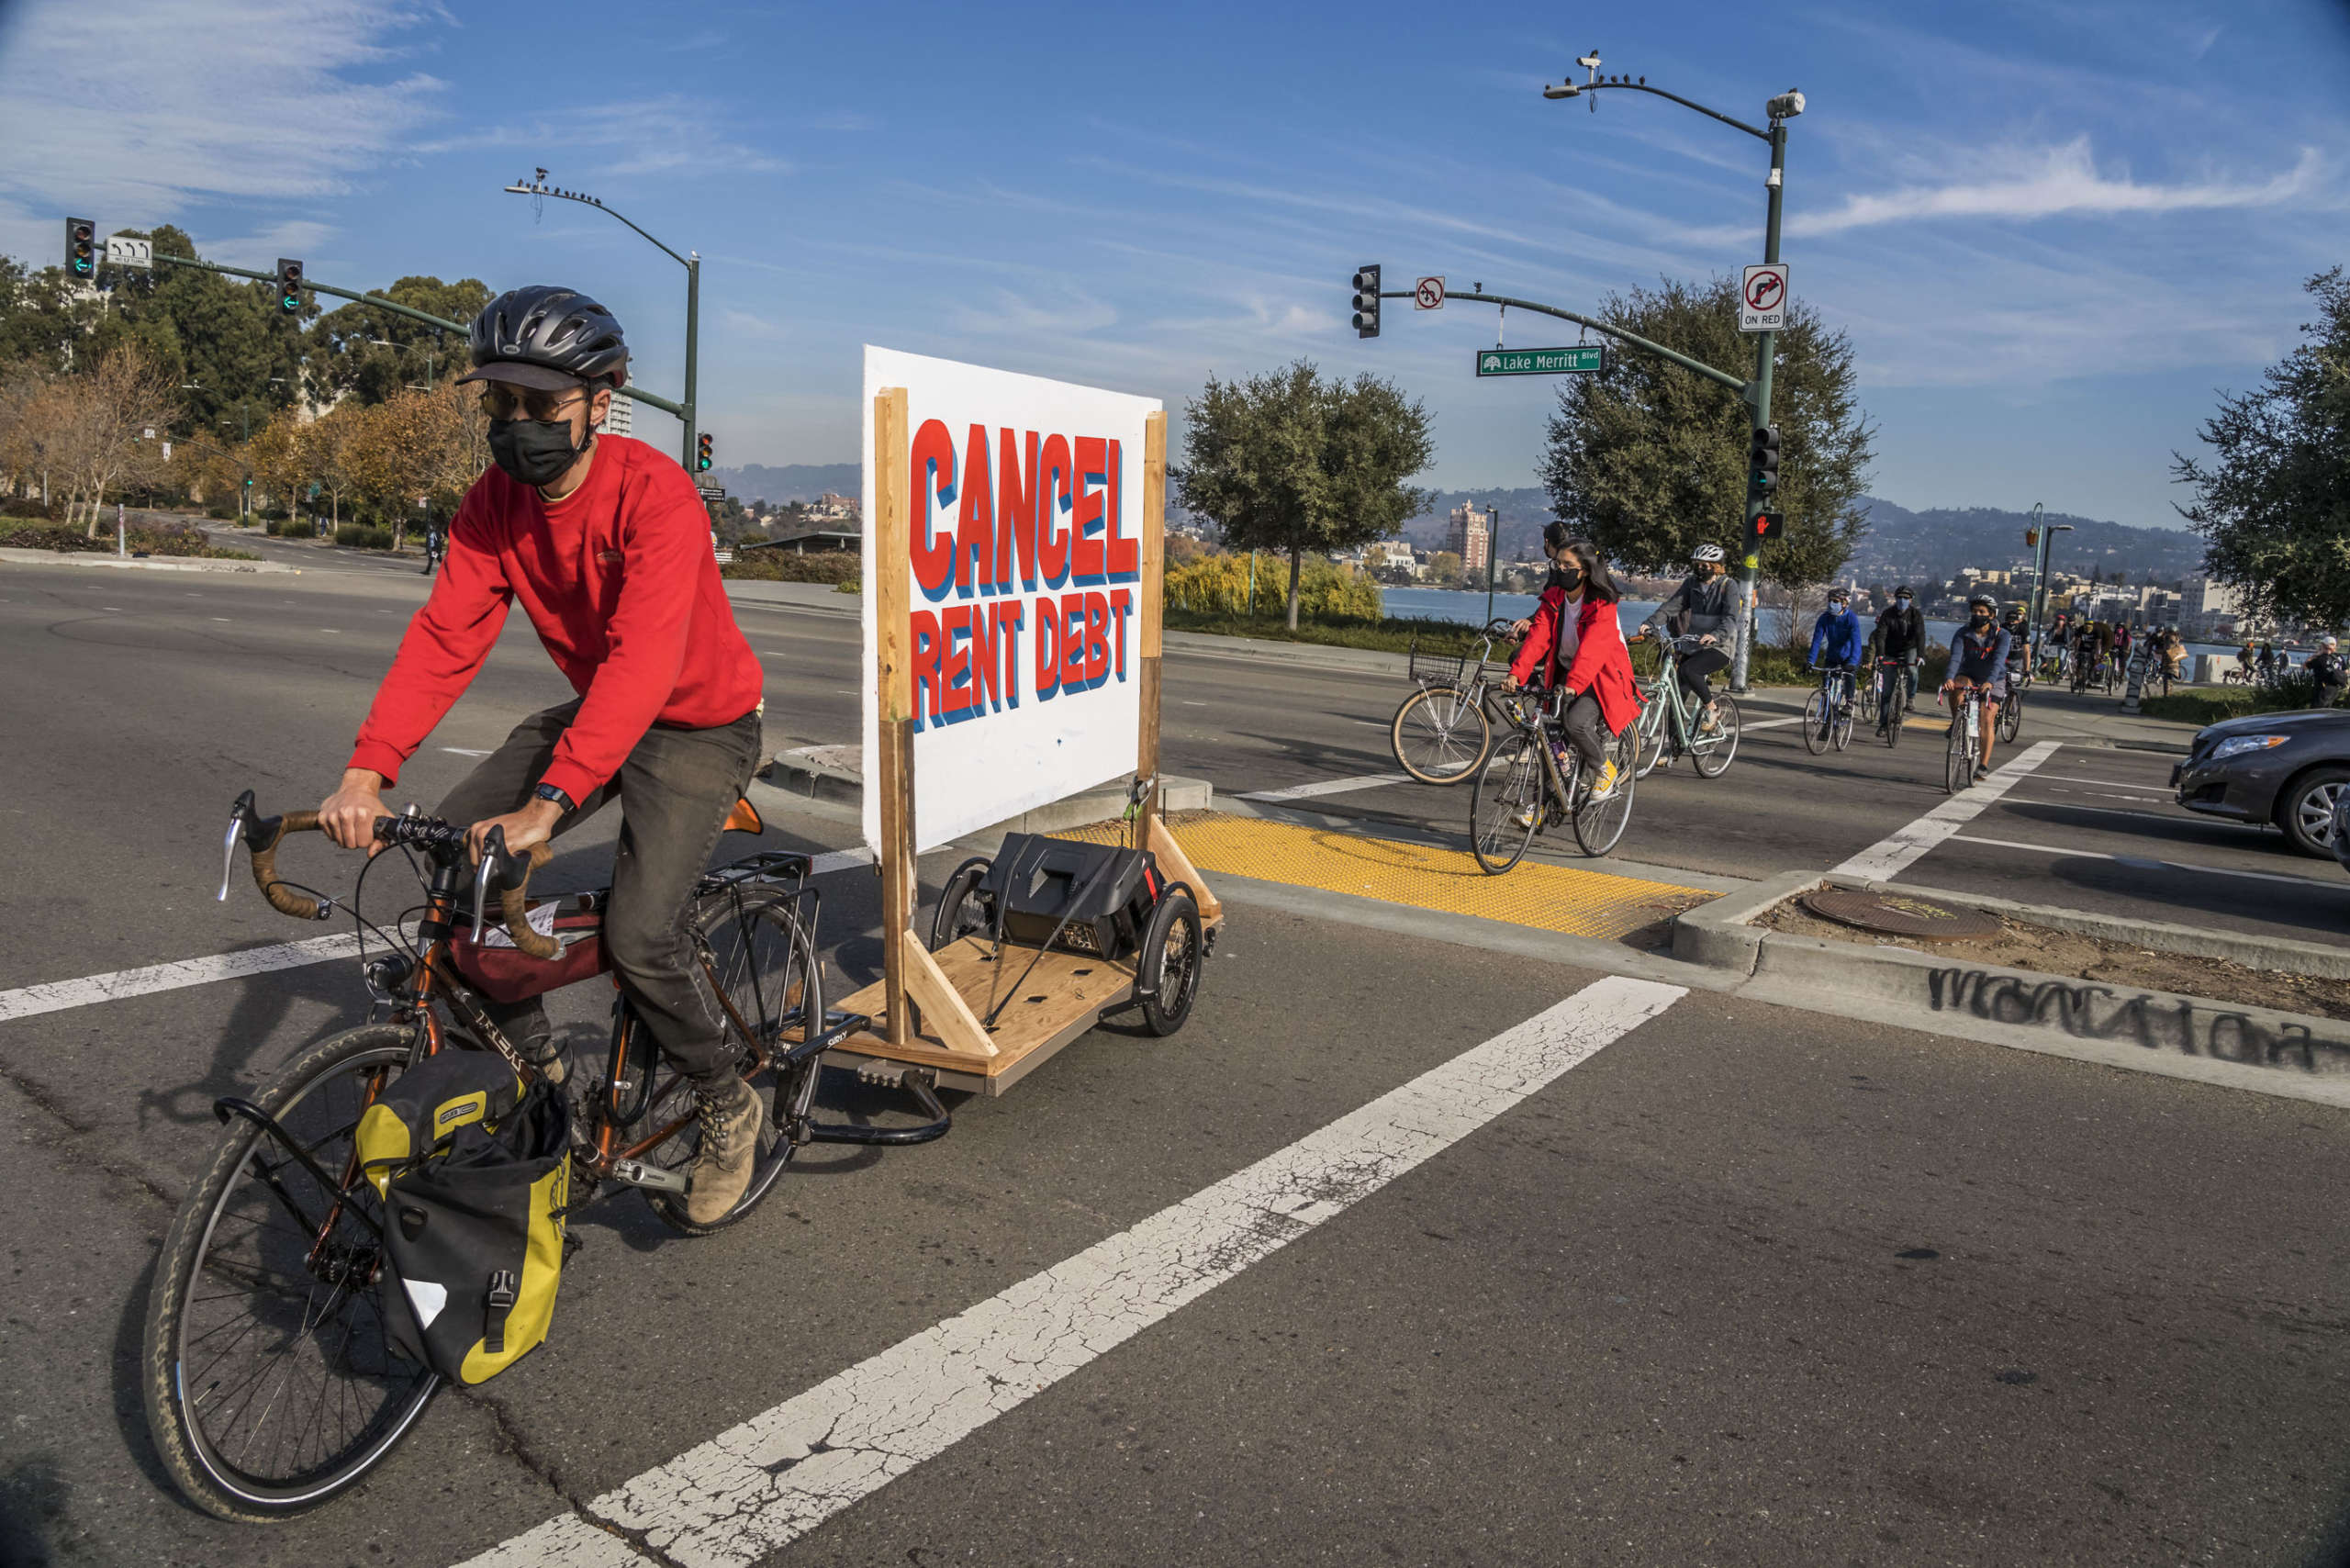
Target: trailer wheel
{"x":963,"y":910}
{"x":1167,"y":973}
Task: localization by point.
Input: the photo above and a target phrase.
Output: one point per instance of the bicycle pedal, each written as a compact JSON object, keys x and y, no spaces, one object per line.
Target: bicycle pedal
{"x":637,"y":1173}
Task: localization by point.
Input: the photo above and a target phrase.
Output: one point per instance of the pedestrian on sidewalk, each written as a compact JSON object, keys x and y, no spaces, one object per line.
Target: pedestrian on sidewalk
{"x":2328,"y":674}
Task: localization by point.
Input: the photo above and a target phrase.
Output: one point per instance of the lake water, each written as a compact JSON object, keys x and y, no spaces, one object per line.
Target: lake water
{"x":1454,"y":604}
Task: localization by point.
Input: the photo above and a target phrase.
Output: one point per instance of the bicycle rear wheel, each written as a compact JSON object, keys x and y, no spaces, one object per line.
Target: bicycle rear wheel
{"x":270,"y":1382}
{"x":1600,"y":824}
{"x":1816,"y":723}
{"x":1508,"y":803}
{"x":1711,"y":753}
{"x":764,"y":960}
{"x":1441,"y":734}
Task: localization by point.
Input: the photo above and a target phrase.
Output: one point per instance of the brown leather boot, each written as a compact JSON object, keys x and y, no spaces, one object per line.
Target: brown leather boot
{"x":730,"y":1115}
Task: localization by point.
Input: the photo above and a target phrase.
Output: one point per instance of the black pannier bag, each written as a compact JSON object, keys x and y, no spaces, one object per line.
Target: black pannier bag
{"x":474,"y":1174}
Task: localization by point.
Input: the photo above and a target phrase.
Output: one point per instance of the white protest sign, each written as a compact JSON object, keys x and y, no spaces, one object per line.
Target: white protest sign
{"x":1023,"y":562}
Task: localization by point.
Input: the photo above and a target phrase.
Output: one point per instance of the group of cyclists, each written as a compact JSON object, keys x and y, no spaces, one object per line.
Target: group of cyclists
{"x":2091,"y":653}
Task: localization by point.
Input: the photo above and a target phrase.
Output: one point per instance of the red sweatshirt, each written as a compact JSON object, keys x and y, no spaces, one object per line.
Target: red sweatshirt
{"x":618,"y":579}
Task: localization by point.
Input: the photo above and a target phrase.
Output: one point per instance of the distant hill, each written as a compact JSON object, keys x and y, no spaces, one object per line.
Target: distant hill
{"x":1906,"y":545}
{"x":792,"y":482}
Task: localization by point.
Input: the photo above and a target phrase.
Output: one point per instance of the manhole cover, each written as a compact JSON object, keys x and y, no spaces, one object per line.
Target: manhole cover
{"x":1898,"y":915}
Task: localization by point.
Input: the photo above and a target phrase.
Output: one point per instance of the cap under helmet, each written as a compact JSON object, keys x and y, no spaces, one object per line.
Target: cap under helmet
{"x":549,"y":328}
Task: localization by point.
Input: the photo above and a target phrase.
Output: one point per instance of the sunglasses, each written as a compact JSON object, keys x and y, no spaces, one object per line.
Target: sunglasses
{"x":503,"y":402}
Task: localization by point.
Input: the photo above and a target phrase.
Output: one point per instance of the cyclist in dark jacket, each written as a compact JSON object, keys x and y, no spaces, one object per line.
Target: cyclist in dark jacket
{"x":1711,"y":607}
{"x":1899,"y":634}
{"x":1978,"y":656}
{"x":2328,"y":672}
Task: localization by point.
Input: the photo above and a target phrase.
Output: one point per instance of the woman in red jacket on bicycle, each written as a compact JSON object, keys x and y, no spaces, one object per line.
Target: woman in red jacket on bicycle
{"x":1575,"y":642}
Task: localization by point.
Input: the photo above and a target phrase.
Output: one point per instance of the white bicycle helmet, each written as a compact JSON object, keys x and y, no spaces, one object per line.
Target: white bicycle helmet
{"x":1705,"y":554}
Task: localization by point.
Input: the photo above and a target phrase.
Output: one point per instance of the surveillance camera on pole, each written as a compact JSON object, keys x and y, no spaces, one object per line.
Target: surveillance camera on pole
{"x":1786,"y":105}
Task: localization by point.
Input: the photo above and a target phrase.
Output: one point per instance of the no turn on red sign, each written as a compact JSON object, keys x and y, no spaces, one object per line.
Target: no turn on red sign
{"x":1429,"y":294}
{"x":1763,"y":298}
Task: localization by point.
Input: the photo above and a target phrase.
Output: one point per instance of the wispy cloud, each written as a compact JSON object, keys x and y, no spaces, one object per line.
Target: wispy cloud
{"x":650,"y":136}
{"x":2058,"y":181}
{"x":135,"y":109}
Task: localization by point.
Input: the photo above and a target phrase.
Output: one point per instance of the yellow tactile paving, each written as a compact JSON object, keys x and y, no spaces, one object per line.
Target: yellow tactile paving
{"x":1565,"y":899}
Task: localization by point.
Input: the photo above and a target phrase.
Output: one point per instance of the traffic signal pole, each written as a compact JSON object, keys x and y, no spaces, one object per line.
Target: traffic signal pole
{"x":1758,"y":499}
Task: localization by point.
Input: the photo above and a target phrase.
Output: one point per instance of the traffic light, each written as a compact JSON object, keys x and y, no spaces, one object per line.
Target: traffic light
{"x":1762,"y":459}
{"x":290,"y":285}
{"x":82,"y":247}
{"x":1366,"y":301}
{"x":1769,"y":525}
{"x":702,"y":452}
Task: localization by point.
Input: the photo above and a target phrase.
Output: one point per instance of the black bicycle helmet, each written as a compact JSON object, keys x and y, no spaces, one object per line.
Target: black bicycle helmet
{"x":549,"y":337}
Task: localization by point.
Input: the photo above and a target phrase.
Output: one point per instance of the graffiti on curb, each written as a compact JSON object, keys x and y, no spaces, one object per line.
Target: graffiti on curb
{"x":2099,"y":1012}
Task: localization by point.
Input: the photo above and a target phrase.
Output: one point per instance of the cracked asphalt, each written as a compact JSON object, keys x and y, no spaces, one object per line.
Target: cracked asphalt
{"x":1746,"y":1286}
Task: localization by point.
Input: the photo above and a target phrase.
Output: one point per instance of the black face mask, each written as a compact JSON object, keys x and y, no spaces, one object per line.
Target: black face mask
{"x":534,"y":452}
{"x":1569,"y":579}
{"x":1982,"y":622}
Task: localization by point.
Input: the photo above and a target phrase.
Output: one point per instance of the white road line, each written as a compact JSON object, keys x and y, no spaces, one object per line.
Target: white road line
{"x":220,"y":618}
{"x":1330,"y":786}
{"x":2147,"y":862}
{"x":2104,"y":794}
{"x":748,"y":1492}
{"x":56,"y":996}
{"x":2160,"y":790}
{"x":466,"y":750}
{"x":839,"y":860}
{"x":2184,"y":816}
{"x":1888,"y":857}
{"x":1746,"y":724}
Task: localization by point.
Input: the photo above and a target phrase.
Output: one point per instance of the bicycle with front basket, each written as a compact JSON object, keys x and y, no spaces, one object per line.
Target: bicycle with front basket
{"x":269,"y":1379}
{"x":1444,"y":730}
{"x":1526,"y":787}
{"x":1669,"y":725}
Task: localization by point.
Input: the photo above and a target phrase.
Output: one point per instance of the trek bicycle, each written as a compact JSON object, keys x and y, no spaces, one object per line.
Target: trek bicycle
{"x":1526,"y":787}
{"x":268,"y":1379}
{"x":1962,"y":761}
{"x":1890,"y":694}
{"x":1669,"y":723}
{"x":1444,"y":730}
{"x":1827,"y":712}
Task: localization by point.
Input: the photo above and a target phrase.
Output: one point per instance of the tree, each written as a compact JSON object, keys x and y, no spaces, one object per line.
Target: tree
{"x":1649,"y":461}
{"x":126,"y":404}
{"x":370,"y":354}
{"x":1290,"y":462}
{"x":2272,"y":501}
{"x":418,"y":450}
{"x":1445,"y":568}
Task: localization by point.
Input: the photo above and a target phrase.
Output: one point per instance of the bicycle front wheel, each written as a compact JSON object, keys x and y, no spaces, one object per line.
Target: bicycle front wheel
{"x":1653,"y":723}
{"x":1507,"y":805}
{"x":1817,"y":719}
{"x":2011,"y":717}
{"x":268,"y":1379}
{"x":1600,"y":824}
{"x":1711,"y":753}
{"x":1958,"y":760}
{"x":1441,"y":734}
{"x":1897,"y":710}
{"x":1842,"y":719}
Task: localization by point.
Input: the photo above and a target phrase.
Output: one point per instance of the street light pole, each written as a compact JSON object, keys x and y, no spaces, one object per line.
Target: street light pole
{"x":692,"y":263}
{"x":1757,"y":391}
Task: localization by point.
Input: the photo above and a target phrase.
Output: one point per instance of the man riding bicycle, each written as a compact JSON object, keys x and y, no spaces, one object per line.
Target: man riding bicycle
{"x":1899,"y":634}
{"x":1837,"y":634}
{"x":1978,"y":657}
{"x":607,"y":545}
{"x":1711,"y":607}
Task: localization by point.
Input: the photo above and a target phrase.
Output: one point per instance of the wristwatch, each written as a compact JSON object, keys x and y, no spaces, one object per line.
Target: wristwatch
{"x":549,"y":792}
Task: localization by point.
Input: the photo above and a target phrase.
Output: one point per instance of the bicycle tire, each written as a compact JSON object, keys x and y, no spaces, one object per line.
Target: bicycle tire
{"x":1712,"y":754}
{"x":2010,"y":718}
{"x":1653,"y":725}
{"x":1429,"y":740}
{"x":1840,"y":727}
{"x":772,"y":987}
{"x":1599,"y":825}
{"x":1166,"y":969}
{"x":1897,"y":703}
{"x":1815,"y":723}
{"x":190,"y":1446}
{"x":962,"y":908}
{"x":1509,"y":786}
{"x":1958,"y":756}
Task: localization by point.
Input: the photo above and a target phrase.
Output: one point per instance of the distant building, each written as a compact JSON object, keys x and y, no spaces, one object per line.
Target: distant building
{"x":622,"y":420}
{"x":1470,"y":536}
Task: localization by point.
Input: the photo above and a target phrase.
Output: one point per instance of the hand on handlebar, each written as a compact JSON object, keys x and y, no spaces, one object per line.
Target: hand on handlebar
{"x":525,"y":829}
{"x":348,"y":816}
{"x":1704,"y":639}
{"x":1520,"y":628}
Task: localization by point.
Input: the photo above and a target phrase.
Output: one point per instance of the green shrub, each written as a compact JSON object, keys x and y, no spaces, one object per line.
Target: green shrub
{"x":357,"y":536}
{"x":2208,"y":705}
{"x":32,"y":507}
{"x":221,"y":511}
{"x":782,"y":567}
{"x":1214,"y":585}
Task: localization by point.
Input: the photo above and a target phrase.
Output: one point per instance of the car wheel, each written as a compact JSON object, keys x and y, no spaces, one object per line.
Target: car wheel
{"x":2306,"y":809}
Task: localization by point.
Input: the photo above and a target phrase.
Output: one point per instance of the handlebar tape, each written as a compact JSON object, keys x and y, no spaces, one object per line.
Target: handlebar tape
{"x":512,"y":901}
{"x":517,"y":912}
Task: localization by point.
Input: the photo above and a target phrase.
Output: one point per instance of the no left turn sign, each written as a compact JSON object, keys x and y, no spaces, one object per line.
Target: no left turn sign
{"x":1763,"y":298}
{"x":1429,"y":294}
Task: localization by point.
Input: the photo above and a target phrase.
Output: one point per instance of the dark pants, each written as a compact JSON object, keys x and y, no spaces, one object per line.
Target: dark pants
{"x":1697,"y":666}
{"x":674,"y":791}
{"x":1586,"y":731}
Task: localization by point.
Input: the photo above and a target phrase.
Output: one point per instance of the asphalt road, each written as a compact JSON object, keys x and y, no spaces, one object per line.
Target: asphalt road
{"x":1745,"y":1285}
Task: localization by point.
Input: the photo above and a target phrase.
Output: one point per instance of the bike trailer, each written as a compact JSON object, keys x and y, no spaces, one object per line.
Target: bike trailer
{"x":474,"y":1174}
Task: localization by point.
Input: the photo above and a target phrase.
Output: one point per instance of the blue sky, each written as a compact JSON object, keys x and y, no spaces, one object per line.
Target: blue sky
{"x":2052,"y":229}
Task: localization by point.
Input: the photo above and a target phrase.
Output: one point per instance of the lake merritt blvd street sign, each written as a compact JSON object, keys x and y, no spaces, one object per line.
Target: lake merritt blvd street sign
{"x":1582,"y":360}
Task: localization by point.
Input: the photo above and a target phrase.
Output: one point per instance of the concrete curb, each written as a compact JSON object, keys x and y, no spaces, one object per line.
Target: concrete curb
{"x":13,"y":556}
{"x":2121,"y":1025}
{"x":834,"y":774}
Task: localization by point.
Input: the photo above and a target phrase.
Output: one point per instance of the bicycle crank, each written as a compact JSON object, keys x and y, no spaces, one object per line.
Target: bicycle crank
{"x":637,"y":1173}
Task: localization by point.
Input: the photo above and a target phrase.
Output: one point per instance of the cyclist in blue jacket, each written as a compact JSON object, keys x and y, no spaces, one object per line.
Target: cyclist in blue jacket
{"x":1978,"y":656}
{"x":1836,"y":644}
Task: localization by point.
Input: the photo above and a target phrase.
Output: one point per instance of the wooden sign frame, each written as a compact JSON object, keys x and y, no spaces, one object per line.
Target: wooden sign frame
{"x":923,"y":1009}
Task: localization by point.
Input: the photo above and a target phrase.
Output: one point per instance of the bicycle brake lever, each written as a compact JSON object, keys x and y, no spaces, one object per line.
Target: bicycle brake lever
{"x":481,"y":883}
{"x":229,"y":857}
